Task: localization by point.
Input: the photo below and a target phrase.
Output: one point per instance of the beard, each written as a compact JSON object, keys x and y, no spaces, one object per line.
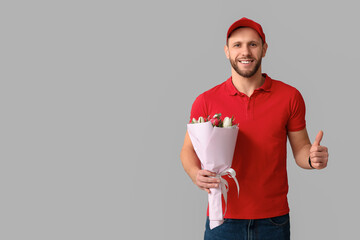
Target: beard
{"x":246,"y":73}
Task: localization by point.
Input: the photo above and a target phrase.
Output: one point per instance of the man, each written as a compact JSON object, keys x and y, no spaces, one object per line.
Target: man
{"x":267,"y":111}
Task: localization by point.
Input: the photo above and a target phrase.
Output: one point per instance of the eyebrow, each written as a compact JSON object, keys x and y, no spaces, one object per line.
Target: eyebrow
{"x":252,"y":41}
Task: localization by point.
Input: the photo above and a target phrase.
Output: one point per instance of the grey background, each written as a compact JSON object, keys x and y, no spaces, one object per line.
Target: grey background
{"x":95,"y":97}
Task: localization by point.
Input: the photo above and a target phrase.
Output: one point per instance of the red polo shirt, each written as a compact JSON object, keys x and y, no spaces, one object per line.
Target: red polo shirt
{"x":259,"y":160}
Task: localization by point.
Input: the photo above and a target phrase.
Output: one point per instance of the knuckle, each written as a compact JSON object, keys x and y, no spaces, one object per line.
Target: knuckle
{"x":315,"y":160}
{"x":316,"y":165}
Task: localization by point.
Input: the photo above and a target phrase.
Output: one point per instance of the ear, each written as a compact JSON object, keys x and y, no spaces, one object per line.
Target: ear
{"x":265,"y":47}
{"x":226,"y":50}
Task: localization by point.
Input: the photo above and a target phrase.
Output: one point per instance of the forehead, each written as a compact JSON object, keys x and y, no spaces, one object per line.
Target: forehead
{"x":245,"y":34}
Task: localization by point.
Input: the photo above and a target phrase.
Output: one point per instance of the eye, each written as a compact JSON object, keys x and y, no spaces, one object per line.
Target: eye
{"x":237,"y":45}
{"x":253,"y":44}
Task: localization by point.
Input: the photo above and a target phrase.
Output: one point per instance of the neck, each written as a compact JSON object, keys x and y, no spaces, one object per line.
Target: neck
{"x":247,"y":85}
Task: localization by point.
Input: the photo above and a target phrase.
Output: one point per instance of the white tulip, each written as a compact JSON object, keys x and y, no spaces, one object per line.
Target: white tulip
{"x":227,"y":122}
{"x":201,"y":120}
{"x":193,"y":120}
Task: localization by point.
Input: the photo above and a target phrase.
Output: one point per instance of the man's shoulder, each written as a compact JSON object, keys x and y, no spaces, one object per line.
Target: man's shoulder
{"x":211,"y":96}
{"x":282,"y":87}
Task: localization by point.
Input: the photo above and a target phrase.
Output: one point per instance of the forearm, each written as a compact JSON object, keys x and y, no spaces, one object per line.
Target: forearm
{"x":302,"y":157}
{"x":190,"y":162}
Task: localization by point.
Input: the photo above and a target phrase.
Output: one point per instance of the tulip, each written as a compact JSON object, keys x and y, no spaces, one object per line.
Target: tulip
{"x":217,"y":115}
{"x":201,"y":120}
{"x":227,"y":122}
{"x":215,"y":121}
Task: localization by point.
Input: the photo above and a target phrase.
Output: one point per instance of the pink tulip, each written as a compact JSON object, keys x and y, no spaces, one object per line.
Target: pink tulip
{"x":215,"y":121}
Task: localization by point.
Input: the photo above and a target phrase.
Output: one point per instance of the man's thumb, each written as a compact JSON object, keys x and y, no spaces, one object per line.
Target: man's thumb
{"x":318,"y":138}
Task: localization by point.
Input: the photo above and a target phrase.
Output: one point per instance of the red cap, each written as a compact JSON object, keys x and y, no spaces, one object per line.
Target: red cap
{"x":245,"y":22}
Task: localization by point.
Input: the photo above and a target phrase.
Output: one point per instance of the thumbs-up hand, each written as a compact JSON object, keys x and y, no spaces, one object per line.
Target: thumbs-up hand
{"x":318,"y":154}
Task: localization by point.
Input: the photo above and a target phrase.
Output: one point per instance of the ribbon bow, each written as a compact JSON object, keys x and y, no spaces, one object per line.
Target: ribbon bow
{"x":225,"y":185}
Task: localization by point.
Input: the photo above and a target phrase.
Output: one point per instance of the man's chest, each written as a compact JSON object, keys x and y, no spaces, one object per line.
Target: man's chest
{"x":262,"y":114}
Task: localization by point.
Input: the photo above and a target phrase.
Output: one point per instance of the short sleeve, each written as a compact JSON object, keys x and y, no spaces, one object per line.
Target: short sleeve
{"x":296,"y":120}
{"x":198,"y":108}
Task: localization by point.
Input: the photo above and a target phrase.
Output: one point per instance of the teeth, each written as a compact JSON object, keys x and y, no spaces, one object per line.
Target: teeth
{"x":245,"y":61}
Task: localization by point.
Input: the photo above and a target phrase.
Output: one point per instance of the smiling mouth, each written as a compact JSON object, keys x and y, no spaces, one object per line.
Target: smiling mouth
{"x":246,"y":61}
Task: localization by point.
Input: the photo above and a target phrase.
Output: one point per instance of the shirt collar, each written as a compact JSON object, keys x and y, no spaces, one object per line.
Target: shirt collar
{"x":265,"y":87}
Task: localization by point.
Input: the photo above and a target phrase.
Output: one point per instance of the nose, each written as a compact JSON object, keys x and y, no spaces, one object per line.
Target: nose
{"x":246,"y":51}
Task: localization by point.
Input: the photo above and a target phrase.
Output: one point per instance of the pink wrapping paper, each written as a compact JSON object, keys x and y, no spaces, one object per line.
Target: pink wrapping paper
{"x":215,"y":147}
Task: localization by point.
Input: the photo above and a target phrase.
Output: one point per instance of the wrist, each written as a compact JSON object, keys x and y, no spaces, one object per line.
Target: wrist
{"x":194,"y":173}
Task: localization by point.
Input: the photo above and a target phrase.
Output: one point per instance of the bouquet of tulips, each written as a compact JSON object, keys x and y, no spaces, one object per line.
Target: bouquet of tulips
{"x":216,"y":121}
{"x":214,"y":142}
